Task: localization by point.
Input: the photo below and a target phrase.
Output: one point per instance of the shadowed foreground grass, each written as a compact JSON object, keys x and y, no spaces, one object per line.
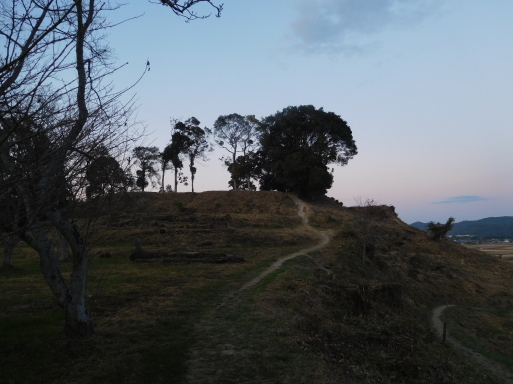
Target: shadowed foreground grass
{"x":144,"y":316}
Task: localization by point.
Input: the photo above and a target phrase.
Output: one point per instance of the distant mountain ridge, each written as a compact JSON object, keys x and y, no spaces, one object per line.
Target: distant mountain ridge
{"x":491,"y":226}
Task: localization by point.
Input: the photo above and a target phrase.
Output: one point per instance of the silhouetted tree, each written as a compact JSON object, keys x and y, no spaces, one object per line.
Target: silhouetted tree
{"x":437,"y":230}
{"x":147,"y":159}
{"x":174,"y":153}
{"x":165,"y":164}
{"x":246,"y":168}
{"x":298,"y":144}
{"x":197,"y":144}
{"x":236,"y":134}
{"x":105,"y":175}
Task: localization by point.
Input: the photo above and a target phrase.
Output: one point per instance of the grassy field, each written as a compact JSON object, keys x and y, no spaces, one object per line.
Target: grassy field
{"x":162,"y":322}
{"x":501,"y":250}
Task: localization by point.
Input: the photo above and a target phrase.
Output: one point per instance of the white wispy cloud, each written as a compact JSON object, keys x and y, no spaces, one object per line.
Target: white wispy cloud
{"x":331,"y":26}
{"x":462,"y":199}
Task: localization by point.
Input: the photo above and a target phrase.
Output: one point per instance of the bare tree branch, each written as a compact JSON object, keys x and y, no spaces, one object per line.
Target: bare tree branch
{"x":184,"y":8}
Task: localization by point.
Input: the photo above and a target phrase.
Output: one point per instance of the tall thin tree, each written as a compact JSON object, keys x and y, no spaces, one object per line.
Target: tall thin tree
{"x":197,"y":145}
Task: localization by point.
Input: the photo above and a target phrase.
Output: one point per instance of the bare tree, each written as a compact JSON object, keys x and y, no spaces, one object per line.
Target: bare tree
{"x":56,"y":107}
{"x":55,"y":111}
{"x":364,"y":223}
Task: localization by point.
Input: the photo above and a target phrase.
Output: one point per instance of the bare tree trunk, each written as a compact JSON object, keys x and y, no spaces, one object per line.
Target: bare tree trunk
{"x":8,"y":253}
{"x":233,"y":178}
{"x":176,"y":179}
{"x":48,"y":263}
{"x":9,"y":244}
{"x":78,"y":322}
{"x":163,"y":173}
{"x":193,"y":173}
{"x":63,"y":244}
{"x":143,"y":170}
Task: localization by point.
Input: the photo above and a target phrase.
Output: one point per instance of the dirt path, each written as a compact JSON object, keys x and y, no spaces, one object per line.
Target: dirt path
{"x":231,"y":337}
{"x":303,"y":212}
{"x":476,"y":357}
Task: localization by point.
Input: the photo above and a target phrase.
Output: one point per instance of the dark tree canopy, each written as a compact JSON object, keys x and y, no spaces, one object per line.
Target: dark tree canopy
{"x":105,"y":175}
{"x":244,"y":169}
{"x":298,"y":144}
{"x":174,"y":152}
{"x":147,"y":159}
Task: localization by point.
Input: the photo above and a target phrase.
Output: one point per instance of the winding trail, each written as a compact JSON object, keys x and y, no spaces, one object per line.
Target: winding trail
{"x":303,"y":212}
{"x":474,"y":356}
{"x":221,"y":346}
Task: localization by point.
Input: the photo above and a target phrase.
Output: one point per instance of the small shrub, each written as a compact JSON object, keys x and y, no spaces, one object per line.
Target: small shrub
{"x":437,"y":231}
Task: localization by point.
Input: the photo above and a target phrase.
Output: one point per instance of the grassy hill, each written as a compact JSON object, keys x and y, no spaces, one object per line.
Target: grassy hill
{"x":491,"y":226}
{"x":324,"y":317}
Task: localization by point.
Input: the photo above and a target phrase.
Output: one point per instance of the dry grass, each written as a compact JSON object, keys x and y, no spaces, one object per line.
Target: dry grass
{"x":176,"y":323}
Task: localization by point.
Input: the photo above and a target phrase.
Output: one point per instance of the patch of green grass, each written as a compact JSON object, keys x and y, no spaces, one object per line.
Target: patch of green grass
{"x":27,"y":338}
{"x":41,"y":325}
{"x":22,"y":299}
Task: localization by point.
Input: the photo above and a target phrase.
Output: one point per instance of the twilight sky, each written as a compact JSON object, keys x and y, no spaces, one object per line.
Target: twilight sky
{"x":425,"y":85}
